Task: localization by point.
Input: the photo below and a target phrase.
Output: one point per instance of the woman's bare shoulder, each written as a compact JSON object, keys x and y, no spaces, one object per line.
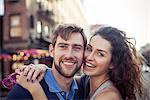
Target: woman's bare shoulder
{"x":110,"y":93}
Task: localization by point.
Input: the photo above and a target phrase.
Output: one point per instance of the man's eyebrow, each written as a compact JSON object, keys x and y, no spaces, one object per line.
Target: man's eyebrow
{"x":79,"y":45}
{"x":62,"y":44}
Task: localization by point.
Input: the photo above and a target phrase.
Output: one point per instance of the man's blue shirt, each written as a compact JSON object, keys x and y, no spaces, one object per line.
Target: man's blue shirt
{"x":54,"y":87}
{"x":50,"y":87}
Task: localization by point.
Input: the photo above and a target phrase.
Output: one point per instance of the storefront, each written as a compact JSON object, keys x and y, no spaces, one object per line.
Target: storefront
{"x":9,"y":62}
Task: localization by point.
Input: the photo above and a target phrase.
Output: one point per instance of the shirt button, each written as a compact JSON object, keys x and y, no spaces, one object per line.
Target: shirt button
{"x":62,"y":93}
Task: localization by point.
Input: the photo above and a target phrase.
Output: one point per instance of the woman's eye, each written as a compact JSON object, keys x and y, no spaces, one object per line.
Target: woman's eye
{"x":88,"y":49}
{"x":100,"y":54}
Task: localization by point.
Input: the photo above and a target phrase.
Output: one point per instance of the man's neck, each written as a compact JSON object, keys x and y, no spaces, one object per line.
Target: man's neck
{"x":63,"y":82}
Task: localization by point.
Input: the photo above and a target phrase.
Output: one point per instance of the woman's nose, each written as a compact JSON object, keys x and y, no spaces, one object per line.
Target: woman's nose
{"x":90,"y":56}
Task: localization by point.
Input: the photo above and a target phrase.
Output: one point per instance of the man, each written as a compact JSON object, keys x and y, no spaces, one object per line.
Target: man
{"x":67,"y":50}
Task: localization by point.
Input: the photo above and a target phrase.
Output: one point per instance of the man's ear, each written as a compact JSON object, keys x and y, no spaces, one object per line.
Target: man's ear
{"x":51,"y":50}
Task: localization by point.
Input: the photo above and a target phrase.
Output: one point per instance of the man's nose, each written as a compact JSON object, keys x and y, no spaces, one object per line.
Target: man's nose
{"x":69,"y":52}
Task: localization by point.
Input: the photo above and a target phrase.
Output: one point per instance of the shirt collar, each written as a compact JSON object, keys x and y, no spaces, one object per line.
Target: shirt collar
{"x":53,"y":85}
{"x":74,"y":85}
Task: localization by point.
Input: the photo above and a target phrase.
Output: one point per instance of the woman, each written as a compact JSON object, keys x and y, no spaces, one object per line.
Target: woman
{"x":111,"y":67}
{"x":111,"y":70}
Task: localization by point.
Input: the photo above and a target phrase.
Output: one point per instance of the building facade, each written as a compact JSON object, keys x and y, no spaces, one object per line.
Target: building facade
{"x":27,"y":24}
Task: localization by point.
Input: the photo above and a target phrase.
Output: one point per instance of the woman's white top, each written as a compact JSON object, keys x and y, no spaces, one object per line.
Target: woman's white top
{"x":107,"y":84}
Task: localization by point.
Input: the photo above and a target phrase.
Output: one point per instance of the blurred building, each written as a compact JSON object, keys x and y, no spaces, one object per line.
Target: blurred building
{"x":25,"y":21}
{"x":26,"y":25}
{"x":69,"y":11}
{"x":145,"y":50}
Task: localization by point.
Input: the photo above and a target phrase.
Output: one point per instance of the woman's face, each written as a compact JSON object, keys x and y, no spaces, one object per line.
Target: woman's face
{"x":97,"y":57}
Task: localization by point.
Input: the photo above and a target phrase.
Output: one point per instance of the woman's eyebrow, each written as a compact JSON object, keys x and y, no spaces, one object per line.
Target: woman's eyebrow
{"x":100,"y":50}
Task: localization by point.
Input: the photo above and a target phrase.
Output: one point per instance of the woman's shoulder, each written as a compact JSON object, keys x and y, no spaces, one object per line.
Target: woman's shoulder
{"x":110,"y":93}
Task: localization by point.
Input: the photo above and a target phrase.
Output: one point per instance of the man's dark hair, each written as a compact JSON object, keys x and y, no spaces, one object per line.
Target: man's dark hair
{"x":66,"y":30}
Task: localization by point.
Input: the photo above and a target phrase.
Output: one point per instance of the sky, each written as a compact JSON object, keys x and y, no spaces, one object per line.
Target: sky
{"x":131,"y":16}
{"x":1,"y":7}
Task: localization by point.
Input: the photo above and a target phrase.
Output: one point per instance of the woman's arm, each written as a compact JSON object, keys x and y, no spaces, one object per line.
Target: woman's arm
{"x":32,"y":87}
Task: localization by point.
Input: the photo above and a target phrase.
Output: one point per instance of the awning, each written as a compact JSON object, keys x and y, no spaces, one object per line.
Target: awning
{"x":25,"y":54}
{"x":6,"y":54}
{"x":9,"y":52}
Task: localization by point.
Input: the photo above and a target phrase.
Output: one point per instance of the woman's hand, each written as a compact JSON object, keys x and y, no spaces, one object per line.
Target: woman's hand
{"x":31,"y":86}
{"x":33,"y":72}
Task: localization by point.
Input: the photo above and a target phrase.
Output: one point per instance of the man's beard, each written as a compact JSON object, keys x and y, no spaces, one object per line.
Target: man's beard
{"x":59,"y":69}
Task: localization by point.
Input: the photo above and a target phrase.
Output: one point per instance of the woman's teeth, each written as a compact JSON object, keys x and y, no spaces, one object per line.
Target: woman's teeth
{"x":90,"y":65}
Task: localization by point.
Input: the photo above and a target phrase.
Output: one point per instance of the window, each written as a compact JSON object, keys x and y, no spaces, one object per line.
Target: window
{"x":39,"y":29}
{"x":15,"y":25}
{"x":46,"y":31}
{"x":31,"y":22}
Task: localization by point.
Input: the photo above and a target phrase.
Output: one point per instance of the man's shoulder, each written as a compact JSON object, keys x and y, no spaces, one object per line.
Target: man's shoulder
{"x":43,"y":84}
{"x":18,"y":92}
{"x":49,"y":94}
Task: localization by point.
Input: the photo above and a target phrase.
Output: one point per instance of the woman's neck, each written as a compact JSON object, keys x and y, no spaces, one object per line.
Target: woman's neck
{"x":96,"y":82}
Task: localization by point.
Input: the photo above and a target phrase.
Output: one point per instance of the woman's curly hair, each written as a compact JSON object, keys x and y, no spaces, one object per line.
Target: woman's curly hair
{"x":126,"y":72}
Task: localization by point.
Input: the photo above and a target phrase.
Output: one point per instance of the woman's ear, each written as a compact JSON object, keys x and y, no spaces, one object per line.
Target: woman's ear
{"x":51,"y":50}
{"x":111,"y":66}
